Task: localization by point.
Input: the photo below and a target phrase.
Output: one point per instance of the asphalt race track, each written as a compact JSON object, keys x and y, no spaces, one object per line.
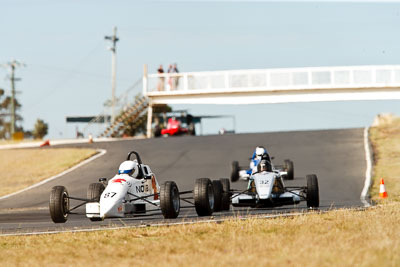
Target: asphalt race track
{"x":336,"y":156}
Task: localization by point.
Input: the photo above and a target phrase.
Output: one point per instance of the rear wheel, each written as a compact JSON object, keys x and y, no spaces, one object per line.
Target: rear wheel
{"x":289,"y":167}
{"x":94,"y":193}
{"x":235,"y":171}
{"x":169,"y":200}
{"x":226,"y":194}
{"x":204,"y":197}
{"x":312,"y":191}
{"x":59,"y":204}
{"x":218,"y":191}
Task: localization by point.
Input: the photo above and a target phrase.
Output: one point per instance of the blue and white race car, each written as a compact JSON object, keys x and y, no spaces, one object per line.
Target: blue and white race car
{"x":286,"y":170}
{"x":266,"y":187}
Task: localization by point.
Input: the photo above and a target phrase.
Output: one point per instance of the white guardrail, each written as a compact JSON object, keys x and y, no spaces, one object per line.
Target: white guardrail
{"x":273,"y":79}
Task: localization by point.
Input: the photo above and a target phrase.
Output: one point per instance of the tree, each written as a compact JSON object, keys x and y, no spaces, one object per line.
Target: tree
{"x":40,"y":129}
{"x":5,"y":107}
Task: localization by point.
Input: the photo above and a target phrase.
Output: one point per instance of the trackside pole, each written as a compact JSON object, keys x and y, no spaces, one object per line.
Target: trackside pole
{"x":144,"y":79}
{"x":150,"y":107}
{"x":149,"y":119}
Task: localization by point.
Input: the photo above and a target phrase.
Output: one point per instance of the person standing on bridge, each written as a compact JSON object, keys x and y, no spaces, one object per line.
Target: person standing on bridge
{"x":176,"y":78}
{"x":160,"y":85}
{"x":170,"y":83}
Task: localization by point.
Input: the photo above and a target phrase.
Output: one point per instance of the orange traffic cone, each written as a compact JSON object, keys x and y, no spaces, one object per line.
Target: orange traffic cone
{"x":382,"y":190}
{"x":46,"y":143}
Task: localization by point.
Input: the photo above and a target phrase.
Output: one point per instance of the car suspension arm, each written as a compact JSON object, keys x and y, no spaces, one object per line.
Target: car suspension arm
{"x":186,"y":200}
{"x":142,"y":198}
{"x":85,"y":201}
{"x":81,"y":199}
{"x":302,"y":197}
{"x":240,"y":193}
{"x":80,"y":205}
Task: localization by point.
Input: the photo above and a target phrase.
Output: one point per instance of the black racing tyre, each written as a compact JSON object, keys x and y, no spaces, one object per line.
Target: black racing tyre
{"x":218,"y":191}
{"x":169,"y":200}
{"x":235,"y":171}
{"x":289,"y":167}
{"x":59,"y":204}
{"x":312,"y":191}
{"x":204,"y":197}
{"x":226,"y":194}
{"x":94,"y":193}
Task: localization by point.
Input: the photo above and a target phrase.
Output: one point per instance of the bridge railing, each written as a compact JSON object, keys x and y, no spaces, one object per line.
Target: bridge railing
{"x":272,"y":79}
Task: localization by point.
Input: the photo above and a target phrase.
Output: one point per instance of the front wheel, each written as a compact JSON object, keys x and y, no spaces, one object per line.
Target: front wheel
{"x":169,"y":200}
{"x":204,"y":197}
{"x":289,"y":167}
{"x":235,"y":171}
{"x":226,"y":194}
{"x":312,"y":191}
{"x":59,"y":204}
{"x":218,"y":191}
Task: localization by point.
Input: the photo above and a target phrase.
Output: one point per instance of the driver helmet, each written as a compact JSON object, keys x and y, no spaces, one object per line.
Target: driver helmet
{"x":260,"y":151}
{"x":130,"y":167}
{"x":263,"y":166}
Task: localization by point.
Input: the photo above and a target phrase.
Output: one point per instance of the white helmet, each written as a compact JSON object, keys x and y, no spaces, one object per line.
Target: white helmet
{"x":129,"y":167}
{"x":260,"y":151}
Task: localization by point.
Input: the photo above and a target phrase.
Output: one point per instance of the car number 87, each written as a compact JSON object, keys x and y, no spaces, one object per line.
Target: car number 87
{"x":109,"y":194}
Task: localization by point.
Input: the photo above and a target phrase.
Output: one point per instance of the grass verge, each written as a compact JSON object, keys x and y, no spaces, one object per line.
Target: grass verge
{"x":21,"y":168}
{"x":337,"y":238}
{"x":385,"y":140}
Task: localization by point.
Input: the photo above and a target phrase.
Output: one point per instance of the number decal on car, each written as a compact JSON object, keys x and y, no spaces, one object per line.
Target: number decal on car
{"x":109,"y":194}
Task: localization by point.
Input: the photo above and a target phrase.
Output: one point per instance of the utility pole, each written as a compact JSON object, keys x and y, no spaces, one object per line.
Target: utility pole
{"x":13,"y":65}
{"x":114,"y":39}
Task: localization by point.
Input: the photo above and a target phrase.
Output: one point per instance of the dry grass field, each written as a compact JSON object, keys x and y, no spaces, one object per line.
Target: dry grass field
{"x":335,"y":238}
{"x":21,"y":168}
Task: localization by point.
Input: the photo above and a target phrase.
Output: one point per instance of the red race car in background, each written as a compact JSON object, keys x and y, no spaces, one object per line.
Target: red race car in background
{"x":174,"y":127}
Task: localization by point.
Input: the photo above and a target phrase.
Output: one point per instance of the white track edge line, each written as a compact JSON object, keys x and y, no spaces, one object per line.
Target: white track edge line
{"x":368,"y":172}
{"x":100,"y":153}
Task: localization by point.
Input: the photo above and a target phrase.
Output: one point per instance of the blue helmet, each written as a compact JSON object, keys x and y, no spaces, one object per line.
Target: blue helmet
{"x":129,"y":167}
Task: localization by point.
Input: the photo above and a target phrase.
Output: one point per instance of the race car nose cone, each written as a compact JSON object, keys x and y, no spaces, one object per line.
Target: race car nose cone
{"x":112,"y":210}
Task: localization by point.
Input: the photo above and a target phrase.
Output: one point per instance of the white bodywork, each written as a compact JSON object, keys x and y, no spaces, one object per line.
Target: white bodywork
{"x":115,"y":199}
{"x":265,"y":191}
{"x":243,"y":175}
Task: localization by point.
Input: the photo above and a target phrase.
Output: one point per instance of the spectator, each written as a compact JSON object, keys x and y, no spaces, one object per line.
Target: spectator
{"x":170,"y":79}
{"x":160,"y":85}
{"x":176,"y":78}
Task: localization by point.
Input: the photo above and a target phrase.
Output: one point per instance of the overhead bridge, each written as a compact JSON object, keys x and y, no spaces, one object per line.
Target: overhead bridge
{"x":261,"y":86}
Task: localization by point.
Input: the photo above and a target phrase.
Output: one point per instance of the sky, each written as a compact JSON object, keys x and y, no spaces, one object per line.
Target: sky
{"x":68,"y":65}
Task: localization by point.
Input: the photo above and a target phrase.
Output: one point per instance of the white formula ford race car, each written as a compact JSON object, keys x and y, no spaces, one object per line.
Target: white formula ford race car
{"x":286,"y":170}
{"x":135,"y":190}
{"x":267,"y":189}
